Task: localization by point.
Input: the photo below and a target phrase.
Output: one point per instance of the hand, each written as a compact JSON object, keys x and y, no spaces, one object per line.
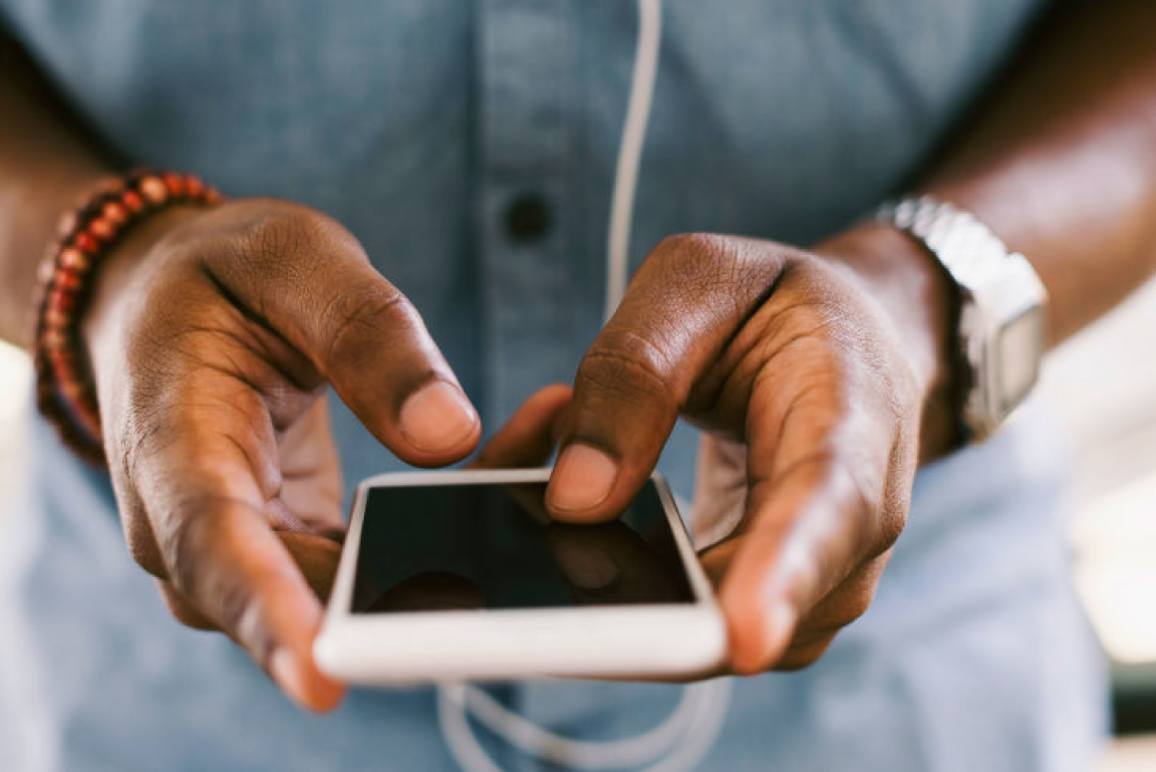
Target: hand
{"x":811,"y":373}
{"x":213,"y":337}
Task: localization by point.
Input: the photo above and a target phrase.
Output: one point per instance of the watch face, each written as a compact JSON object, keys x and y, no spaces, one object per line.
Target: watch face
{"x":1020,"y":346}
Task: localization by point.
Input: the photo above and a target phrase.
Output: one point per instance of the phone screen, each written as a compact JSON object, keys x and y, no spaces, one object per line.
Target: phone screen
{"x":492,"y":546}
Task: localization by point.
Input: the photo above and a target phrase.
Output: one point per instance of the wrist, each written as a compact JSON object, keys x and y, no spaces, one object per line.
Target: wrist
{"x":63,"y":357}
{"x":32,"y":208}
{"x":922,"y":303}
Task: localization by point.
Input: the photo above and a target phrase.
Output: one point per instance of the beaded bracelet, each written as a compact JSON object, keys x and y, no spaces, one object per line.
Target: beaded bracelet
{"x":65,"y":392}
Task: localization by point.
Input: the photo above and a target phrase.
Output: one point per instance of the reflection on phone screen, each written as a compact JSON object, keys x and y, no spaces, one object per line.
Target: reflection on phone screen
{"x":490,"y":546}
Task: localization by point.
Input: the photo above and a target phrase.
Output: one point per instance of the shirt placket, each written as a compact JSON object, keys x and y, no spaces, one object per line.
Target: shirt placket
{"x":525,"y":74}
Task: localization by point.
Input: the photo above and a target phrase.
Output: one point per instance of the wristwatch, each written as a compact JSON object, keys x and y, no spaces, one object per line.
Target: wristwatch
{"x":1002,"y":322}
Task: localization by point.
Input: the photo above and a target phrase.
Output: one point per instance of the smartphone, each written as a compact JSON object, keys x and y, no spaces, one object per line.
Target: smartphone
{"x":463,"y":575}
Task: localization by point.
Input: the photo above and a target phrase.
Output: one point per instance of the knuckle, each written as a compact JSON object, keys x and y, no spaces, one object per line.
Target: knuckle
{"x":690,"y":265}
{"x":228,"y":601}
{"x":182,"y":547}
{"x":229,"y":604}
{"x":628,"y":365}
{"x":879,"y":508}
{"x":142,"y":546}
{"x":855,"y":489}
{"x":291,"y":230}
{"x":241,"y":616}
{"x":848,"y":602}
{"x":733,"y":271}
{"x":889,"y":524}
{"x":139,"y":535}
{"x":864,"y":504}
{"x":856,"y":607}
{"x":181,"y":610}
{"x":842,"y":608}
{"x":362,"y":313}
{"x":192,"y":526}
{"x":682,"y":247}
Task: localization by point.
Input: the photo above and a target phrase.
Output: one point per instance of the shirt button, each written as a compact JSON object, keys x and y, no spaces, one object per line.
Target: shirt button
{"x":528,"y":218}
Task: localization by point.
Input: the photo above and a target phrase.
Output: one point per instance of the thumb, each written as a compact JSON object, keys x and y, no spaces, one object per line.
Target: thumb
{"x":312,"y":283}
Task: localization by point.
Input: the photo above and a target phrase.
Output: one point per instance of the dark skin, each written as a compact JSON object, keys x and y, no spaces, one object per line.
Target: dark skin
{"x":820,"y":375}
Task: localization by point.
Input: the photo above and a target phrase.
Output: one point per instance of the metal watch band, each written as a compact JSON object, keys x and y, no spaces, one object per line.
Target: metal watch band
{"x":1002,"y":300}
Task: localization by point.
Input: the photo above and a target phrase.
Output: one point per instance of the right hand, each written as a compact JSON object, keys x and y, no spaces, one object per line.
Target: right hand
{"x":213,"y":335}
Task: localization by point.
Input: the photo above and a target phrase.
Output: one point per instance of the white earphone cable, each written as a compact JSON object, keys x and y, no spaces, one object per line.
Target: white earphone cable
{"x":678,"y":743}
{"x":630,"y":151}
{"x":681,"y":740}
{"x":459,"y":737}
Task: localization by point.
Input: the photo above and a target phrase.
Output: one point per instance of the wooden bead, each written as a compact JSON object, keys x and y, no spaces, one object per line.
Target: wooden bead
{"x":102,"y":229}
{"x":115,"y":213}
{"x":64,"y":390}
{"x":59,"y":357}
{"x":72,"y":259}
{"x":133,"y":201}
{"x":55,"y":318}
{"x":175,"y":184}
{"x":153,"y":189}
{"x":54,"y":338}
{"x":86,"y":243}
{"x":68,"y":280}
{"x":61,"y":298}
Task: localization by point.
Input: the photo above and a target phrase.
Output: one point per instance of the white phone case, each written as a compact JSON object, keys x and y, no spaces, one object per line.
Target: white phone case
{"x":679,"y":639}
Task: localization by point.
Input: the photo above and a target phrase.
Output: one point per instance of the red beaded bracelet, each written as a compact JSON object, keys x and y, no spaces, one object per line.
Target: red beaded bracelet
{"x":65,"y":392}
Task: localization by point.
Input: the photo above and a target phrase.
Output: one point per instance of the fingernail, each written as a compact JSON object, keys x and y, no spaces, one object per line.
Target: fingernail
{"x":285,"y":671}
{"x":437,"y":418}
{"x":582,"y":479}
{"x":586,"y":566}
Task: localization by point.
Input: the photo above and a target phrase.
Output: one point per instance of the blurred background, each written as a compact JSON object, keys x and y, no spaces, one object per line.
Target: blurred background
{"x":1101,"y":387}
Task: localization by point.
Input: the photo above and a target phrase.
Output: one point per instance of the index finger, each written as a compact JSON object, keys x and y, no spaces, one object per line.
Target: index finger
{"x":819,"y":503}
{"x":220,"y":553}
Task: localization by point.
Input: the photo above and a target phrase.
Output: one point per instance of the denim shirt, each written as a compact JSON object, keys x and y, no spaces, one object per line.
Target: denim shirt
{"x":471,"y":148}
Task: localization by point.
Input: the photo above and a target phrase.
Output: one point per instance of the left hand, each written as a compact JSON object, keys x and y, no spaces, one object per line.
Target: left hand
{"x":811,"y":373}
